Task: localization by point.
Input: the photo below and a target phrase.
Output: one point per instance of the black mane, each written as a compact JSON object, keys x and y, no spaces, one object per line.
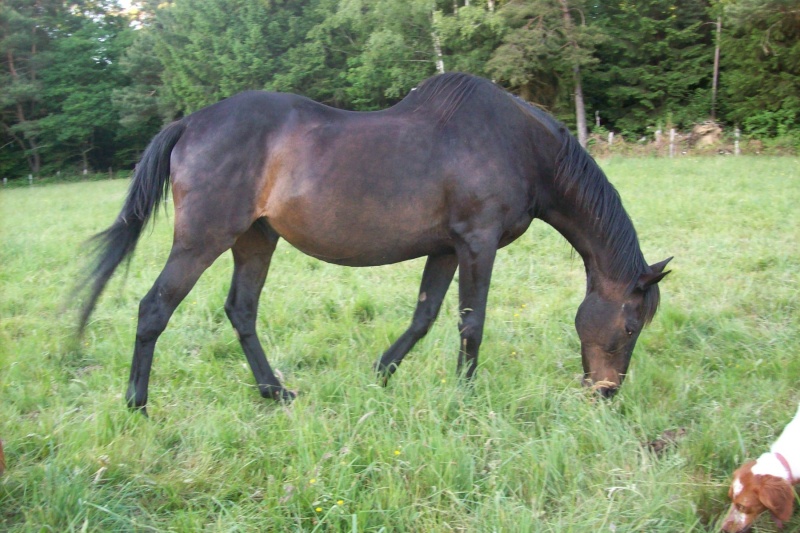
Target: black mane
{"x":446,"y":92}
{"x":577,"y":176}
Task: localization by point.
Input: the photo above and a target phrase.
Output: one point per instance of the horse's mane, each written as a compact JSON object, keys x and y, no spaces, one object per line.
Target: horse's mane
{"x":446,"y":93}
{"x":577,"y":175}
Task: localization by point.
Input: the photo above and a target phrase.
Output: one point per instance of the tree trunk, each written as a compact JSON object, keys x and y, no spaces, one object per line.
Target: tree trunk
{"x":716,"y":72}
{"x":28,"y":142}
{"x":580,"y":110}
{"x":85,"y":157}
{"x":437,"y":49}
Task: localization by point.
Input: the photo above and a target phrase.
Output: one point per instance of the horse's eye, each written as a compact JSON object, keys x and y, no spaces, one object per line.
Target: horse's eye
{"x":631,"y":327}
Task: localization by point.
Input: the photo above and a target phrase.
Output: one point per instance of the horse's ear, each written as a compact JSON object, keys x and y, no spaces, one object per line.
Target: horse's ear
{"x":659,"y":267}
{"x":657,"y":274}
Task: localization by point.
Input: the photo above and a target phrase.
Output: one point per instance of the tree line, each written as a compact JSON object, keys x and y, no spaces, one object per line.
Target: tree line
{"x":85,"y":84}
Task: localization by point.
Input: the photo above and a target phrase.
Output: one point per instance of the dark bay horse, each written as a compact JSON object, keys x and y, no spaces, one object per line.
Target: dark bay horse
{"x":456,"y":170}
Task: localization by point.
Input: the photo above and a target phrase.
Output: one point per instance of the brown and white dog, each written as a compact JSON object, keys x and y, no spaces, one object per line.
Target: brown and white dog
{"x":767,"y":483}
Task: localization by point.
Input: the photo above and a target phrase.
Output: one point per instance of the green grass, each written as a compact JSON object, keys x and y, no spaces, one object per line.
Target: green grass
{"x":525,"y":450}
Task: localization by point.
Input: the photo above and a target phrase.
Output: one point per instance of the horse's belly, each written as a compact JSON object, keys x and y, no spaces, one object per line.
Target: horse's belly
{"x":353,"y":244}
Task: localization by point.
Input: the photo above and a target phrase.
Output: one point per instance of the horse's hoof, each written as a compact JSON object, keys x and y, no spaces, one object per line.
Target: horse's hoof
{"x":383,"y":373}
{"x":284,"y":396}
{"x":139,"y":409}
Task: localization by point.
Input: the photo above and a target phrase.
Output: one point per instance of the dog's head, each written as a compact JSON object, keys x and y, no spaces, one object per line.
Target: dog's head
{"x":752,"y":494}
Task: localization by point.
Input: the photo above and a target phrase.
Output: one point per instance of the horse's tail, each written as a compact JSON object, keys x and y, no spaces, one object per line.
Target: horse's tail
{"x":149,"y":187}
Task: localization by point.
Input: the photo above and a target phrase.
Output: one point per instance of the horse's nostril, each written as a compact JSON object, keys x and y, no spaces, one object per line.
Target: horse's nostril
{"x":605,"y":388}
{"x":607,"y":392}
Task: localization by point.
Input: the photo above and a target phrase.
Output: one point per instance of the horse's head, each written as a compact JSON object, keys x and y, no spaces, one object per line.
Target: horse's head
{"x":609,"y":321}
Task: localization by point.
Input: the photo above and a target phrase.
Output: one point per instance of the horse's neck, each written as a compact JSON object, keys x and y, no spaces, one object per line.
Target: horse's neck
{"x":587,"y":242}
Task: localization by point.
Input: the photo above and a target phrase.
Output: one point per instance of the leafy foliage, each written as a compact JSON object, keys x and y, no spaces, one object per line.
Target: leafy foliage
{"x":85,"y":85}
{"x":61,"y":66}
{"x":540,"y":50}
{"x":82,"y":71}
{"x":762,"y":66}
{"x":656,"y":64}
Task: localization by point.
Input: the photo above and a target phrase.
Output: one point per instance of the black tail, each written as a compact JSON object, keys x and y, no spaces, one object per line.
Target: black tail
{"x":149,"y":187}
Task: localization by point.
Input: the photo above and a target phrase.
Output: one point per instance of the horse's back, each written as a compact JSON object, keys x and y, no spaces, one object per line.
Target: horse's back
{"x":358,"y":188}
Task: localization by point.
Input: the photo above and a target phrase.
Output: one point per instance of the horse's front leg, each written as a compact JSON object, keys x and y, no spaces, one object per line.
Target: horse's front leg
{"x":475,"y":263}
{"x":436,"y":278}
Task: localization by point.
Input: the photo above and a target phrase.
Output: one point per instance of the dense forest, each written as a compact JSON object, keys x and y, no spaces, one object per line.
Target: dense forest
{"x":85,"y":84}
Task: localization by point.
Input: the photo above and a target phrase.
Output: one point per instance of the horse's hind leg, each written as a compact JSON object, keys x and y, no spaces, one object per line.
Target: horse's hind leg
{"x":436,"y":278}
{"x":183,"y":268}
{"x":252,"y":254}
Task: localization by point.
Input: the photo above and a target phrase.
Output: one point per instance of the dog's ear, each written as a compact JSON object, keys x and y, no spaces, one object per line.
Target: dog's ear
{"x":777,"y":495}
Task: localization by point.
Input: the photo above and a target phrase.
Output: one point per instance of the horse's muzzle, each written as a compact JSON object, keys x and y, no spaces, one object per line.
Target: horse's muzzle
{"x":606,"y":389}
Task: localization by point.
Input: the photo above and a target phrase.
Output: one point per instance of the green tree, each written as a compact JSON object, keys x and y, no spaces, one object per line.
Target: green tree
{"x":59,"y":66}
{"x":544,"y":52}
{"x":138,"y":102}
{"x":398,"y":50}
{"x":82,"y":70}
{"x":25,"y":33}
{"x":211,"y":49}
{"x":469,"y":35}
{"x":761,"y":66}
{"x":362,"y":54}
{"x":655,"y":66}
{"x":316,"y":65}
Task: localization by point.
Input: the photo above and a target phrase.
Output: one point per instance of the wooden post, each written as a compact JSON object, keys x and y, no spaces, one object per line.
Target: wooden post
{"x":597,"y":118}
{"x":610,"y":138}
{"x":30,"y":179}
{"x":736,"y":133}
{"x":658,"y":137}
{"x":672,"y":142}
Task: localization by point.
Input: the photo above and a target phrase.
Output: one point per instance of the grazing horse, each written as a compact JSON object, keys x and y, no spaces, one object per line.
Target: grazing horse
{"x":456,"y":170}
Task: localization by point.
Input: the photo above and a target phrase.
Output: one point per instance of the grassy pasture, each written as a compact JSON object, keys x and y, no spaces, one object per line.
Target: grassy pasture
{"x":526,"y":450}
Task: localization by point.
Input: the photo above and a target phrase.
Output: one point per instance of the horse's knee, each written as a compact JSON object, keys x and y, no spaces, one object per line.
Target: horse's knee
{"x":421,"y":327}
{"x":471,"y":331}
{"x":243,"y":321}
{"x":422,"y":322}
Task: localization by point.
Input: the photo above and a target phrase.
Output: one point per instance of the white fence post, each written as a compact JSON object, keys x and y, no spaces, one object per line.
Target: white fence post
{"x":736,"y":142}
{"x":672,"y":142}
